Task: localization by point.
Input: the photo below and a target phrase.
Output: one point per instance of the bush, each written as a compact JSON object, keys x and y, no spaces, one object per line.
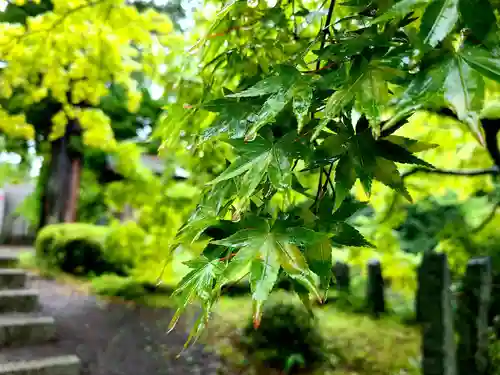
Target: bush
{"x":76,"y":249}
{"x":125,"y":244}
{"x":287,"y":338}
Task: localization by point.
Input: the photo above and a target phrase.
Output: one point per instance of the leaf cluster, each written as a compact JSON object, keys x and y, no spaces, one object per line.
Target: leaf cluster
{"x":307,"y":125}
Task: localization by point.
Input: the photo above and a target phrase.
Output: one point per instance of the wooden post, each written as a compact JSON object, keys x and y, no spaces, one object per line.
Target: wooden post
{"x":473,"y":307}
{"x":341,"y":276}
{"x":375,"y":293}
{"x":436,"y":315}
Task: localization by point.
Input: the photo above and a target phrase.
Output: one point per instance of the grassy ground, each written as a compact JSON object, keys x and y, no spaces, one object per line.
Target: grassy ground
{"x":355,"y":343}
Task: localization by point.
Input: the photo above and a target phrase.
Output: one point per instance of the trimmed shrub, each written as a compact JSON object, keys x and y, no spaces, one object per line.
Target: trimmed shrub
{"x":287,"y":338}
{"x":126,"y":245}
{"x":76,"y":248}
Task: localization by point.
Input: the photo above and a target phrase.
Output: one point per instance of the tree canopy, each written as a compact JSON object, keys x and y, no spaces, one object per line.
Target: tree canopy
{"x":71,"y":53}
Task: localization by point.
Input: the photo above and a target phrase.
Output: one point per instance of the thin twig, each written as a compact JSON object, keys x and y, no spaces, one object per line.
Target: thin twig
{"x":326,"y":30}
{"x":327,"y":180}
{"x":318,"y":192}
{"x":487,"y":219}
{"x":493,"y":171}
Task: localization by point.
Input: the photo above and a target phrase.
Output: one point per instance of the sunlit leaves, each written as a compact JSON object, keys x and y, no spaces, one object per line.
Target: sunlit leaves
{"x":438,"y":20}
{"x":15,"y":126}
{"x":464,"y":91}
{"x":75,"y":51}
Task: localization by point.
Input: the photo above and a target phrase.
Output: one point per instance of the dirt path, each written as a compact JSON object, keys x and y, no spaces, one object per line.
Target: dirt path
{"x":116,"y":339}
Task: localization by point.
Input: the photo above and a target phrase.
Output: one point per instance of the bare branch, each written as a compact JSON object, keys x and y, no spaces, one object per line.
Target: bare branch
{"x":326,"y":30}
{"x":493,"y":171}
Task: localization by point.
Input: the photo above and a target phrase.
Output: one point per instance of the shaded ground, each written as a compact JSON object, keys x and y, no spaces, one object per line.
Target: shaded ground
{"x":119,"y":339}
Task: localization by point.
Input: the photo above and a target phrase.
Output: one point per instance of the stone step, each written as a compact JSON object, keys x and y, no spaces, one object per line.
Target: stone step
{"x":38,"y":360}
{"x":8,"y":259}
{"x":12,"y":278}
{"x":18,"y":300}
{"x":63,"y":365}
{"x":26,"y":329}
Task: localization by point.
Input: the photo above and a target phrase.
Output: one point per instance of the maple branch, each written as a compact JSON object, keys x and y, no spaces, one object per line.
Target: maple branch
{"x":326,"y":30}
{"x":493,"y":171}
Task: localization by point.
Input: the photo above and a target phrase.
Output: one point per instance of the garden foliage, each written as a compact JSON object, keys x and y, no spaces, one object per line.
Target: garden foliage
{"x":309,"y":96}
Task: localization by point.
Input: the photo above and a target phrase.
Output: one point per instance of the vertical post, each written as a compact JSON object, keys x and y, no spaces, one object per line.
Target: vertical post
{"x":342,"y":276}
{"x":473,"y":307}
{"x":436,"y":316}
{"x":375,"y":293}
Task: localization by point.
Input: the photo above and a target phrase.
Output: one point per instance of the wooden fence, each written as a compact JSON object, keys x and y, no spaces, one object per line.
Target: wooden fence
{"x":455,"y":341}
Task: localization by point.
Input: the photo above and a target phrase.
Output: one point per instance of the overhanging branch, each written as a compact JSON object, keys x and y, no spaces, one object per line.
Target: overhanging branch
{"x":493,"y":171}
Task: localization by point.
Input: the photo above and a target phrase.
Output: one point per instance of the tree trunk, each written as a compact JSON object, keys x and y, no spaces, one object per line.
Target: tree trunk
{"x":60,"y":197}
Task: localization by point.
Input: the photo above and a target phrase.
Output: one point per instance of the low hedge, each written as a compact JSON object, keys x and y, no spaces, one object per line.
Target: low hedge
{"x":78,"y":249}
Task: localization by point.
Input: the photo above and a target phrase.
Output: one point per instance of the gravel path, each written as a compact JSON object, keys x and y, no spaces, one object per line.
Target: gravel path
{"x":117,"y":339}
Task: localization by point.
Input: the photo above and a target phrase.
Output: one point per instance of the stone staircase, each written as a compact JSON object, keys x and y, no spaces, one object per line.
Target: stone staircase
{"x":26,"y":335}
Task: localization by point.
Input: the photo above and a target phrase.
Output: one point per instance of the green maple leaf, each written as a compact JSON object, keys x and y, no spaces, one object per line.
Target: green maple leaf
{"x":364,"y":157}
{"x":464,"y":91}
{"x":258,"y":159}
{"x":263,"y":251}
{"x":438,"y":21}
{"x":197,"y":285}
{"x":285,"y":86}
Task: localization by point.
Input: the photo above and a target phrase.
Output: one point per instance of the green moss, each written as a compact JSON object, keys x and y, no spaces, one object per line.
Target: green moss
{"x":354,"y":344}
{"x":128,"y":288}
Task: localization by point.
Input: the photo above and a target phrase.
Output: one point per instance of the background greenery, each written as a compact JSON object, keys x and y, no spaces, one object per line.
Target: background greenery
{"x":255,"y":110}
